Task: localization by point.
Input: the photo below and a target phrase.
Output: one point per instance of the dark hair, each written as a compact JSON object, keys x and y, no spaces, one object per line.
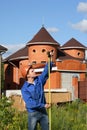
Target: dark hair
{"x":30,"y":67}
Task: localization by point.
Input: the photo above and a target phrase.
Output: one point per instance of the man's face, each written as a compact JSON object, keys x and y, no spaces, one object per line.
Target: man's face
{"x":31,"y":73}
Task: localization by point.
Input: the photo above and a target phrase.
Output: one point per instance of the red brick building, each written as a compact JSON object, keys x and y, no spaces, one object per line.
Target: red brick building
{"x":69,"y":60}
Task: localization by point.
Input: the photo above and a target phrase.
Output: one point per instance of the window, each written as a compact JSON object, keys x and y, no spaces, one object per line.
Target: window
{"x":34,"y":50}
{"x":8,"y":70}
{"x":43,"y":50}
{"x":52,"y":50}
{"x":78,"y":53}
{"x":33,"y":62}
{"x":43,"y":61}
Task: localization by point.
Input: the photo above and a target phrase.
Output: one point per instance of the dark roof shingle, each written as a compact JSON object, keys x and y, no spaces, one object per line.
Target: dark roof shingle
{"x":3,"y":49}
{"x":20,"y":54}
{"x":73,"y":43}
{"x":42,"y":36}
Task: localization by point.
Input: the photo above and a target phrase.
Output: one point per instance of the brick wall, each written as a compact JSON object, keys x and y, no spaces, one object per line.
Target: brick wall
{"x":78,"y":53}
{"x":38,"y":53}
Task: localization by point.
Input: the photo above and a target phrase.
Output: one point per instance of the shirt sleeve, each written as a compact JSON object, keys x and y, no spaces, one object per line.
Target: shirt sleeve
{"x":29,"y":101}
{"x":44,"y":76}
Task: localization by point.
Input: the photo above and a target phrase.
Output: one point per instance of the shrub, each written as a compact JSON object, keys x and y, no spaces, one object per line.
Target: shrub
{"x":10,"y":118}
{"x":6,"y":113}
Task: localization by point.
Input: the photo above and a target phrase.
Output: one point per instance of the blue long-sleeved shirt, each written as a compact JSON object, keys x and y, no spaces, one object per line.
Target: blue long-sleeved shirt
{"x":33,"y":94}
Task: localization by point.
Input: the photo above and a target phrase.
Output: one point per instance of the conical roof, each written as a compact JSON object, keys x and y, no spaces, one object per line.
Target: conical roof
{"x":43,"y":37}
{"x":73,"y":43}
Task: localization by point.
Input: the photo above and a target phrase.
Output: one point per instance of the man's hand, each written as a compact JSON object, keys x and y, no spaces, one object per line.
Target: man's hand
{"x":50,"y":54}
{"x":47,"y":106}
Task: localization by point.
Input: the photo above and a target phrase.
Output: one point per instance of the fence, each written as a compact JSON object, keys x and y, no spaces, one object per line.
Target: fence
{"x":82,"y":90}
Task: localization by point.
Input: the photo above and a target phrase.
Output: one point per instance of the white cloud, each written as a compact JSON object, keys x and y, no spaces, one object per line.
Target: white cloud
{"x":82,"y":7}
{"x":11,"y":49}
{"x":82,"y":26}
{"x":52,"y":30}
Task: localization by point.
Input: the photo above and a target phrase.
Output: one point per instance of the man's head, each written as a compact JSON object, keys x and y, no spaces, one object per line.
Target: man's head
{"x":31,"y":73}
{"x":27,"y":71}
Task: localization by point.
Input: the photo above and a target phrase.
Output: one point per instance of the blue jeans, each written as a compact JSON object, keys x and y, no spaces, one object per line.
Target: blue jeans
{"x":40,"y":117}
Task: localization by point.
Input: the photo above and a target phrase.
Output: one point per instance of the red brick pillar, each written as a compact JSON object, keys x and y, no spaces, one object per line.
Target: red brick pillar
{"x":75,"y":85}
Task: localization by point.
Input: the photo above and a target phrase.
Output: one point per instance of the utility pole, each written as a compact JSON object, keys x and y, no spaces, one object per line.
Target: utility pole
{"x":0,"y":74}
{"x":2,"y":51}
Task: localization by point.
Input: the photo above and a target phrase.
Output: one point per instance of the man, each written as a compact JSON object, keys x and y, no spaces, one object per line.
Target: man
{"x":33,"y":95}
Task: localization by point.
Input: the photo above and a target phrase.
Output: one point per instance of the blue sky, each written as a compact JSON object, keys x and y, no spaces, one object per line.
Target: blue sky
{"x":20,"y":20}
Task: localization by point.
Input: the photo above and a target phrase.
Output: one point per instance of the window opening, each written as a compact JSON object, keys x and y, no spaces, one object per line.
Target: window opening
{"x":43,"y":50}
{"x":33,"y":62}
{"x":78,"y":53}
{"x":43,"y":61}
{"x":34,"y":50}
{"x":52,"y":50}
{"x":8,"y":70}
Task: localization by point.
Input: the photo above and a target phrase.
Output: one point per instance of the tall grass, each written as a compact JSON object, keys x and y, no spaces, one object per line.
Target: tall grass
{"x":70,"y":116}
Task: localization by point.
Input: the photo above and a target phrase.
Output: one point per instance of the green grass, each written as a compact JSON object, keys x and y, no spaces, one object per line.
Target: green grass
{"x":70,"y":116}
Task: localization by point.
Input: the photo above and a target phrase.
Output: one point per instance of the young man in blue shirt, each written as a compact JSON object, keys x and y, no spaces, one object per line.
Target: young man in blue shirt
{"x":33,"y":95}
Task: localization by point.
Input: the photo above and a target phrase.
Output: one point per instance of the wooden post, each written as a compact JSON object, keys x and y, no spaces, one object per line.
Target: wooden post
{"x":49,"y":94}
